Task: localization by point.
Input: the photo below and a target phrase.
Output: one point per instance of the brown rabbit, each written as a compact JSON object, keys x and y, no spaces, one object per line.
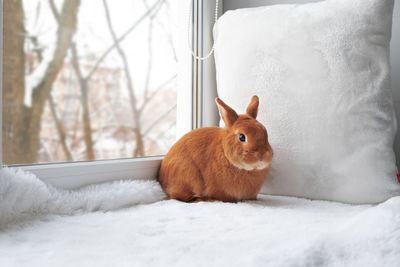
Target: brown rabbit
{"x":228,"y":164}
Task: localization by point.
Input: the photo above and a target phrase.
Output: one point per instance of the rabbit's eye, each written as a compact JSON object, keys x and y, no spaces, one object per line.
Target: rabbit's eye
{"x":242,"y":138}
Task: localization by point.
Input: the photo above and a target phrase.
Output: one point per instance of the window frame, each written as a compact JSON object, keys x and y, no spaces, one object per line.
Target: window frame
{"x":70,"y":175}
{"x":205,"y":85}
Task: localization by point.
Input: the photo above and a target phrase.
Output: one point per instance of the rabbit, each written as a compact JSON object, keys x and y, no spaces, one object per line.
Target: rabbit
{"x":226,"y":164}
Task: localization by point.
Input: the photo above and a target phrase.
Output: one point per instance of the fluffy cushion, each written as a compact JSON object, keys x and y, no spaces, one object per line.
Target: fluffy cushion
{"x":321,"y":71}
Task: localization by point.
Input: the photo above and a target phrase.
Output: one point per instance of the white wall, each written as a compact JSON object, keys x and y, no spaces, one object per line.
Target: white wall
{"x":395,"y":48}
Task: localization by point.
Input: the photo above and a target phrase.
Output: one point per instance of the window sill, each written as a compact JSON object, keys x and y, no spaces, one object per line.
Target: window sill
{"x":76,"y":174}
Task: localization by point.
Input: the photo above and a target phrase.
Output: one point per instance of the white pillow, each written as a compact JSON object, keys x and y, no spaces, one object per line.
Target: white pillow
{"x":321,"y":71}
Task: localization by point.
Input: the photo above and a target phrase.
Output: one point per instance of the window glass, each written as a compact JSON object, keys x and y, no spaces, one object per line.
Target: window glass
{"x":88,"y":80}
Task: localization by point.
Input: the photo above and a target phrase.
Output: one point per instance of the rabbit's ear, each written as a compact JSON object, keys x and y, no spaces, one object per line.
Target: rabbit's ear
{"x":227,"y":113}
{"x":252,"y":108}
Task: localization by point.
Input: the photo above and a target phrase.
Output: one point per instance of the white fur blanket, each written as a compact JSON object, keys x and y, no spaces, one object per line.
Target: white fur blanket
{"x":128,"y":223}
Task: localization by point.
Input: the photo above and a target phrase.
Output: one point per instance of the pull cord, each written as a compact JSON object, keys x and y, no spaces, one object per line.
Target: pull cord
{"x":189,"y":32}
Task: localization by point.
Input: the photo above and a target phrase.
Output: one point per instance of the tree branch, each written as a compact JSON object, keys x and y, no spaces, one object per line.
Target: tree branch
{"x":139,"y":150}
{"x":57,"y":122}
{"x":167,"y":32}
{"x":150,"y":58}
{"x":83,"y":84}
{"x":65,"y":32}
{"x":158,"y":120}
{"x":161,"y":134}
{"x":122,"y":37}
{"x":148,"y":99}
{"x":54,"y":10}
{"x":60,"y":129}
{"x":37,"y":50}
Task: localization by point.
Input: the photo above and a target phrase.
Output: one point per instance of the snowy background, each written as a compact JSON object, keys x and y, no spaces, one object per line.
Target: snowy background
{"x":131,"y":99}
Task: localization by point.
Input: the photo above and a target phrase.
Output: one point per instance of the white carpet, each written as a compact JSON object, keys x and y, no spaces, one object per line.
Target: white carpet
{"x":43,"y":226}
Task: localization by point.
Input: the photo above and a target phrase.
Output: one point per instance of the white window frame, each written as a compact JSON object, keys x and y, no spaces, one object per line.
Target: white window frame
{"x":201,"y":112}
{"x":205,"y":89}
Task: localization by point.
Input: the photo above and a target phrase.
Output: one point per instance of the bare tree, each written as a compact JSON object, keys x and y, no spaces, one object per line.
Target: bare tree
{"x":13,"y":81}
{"x":22,"y":123}
{"x":137,"y":110}
{"x":38,"y":50}
{"x":84,"y":81}
{"x":65,"y":32}
{"x":150,"y":51}
{"x":60,"y":129}
{"x":139,"y":149}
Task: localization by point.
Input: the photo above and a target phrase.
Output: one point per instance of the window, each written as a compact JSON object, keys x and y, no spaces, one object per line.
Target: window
{"x":93,"y":86}
{"x":87,"y":80}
